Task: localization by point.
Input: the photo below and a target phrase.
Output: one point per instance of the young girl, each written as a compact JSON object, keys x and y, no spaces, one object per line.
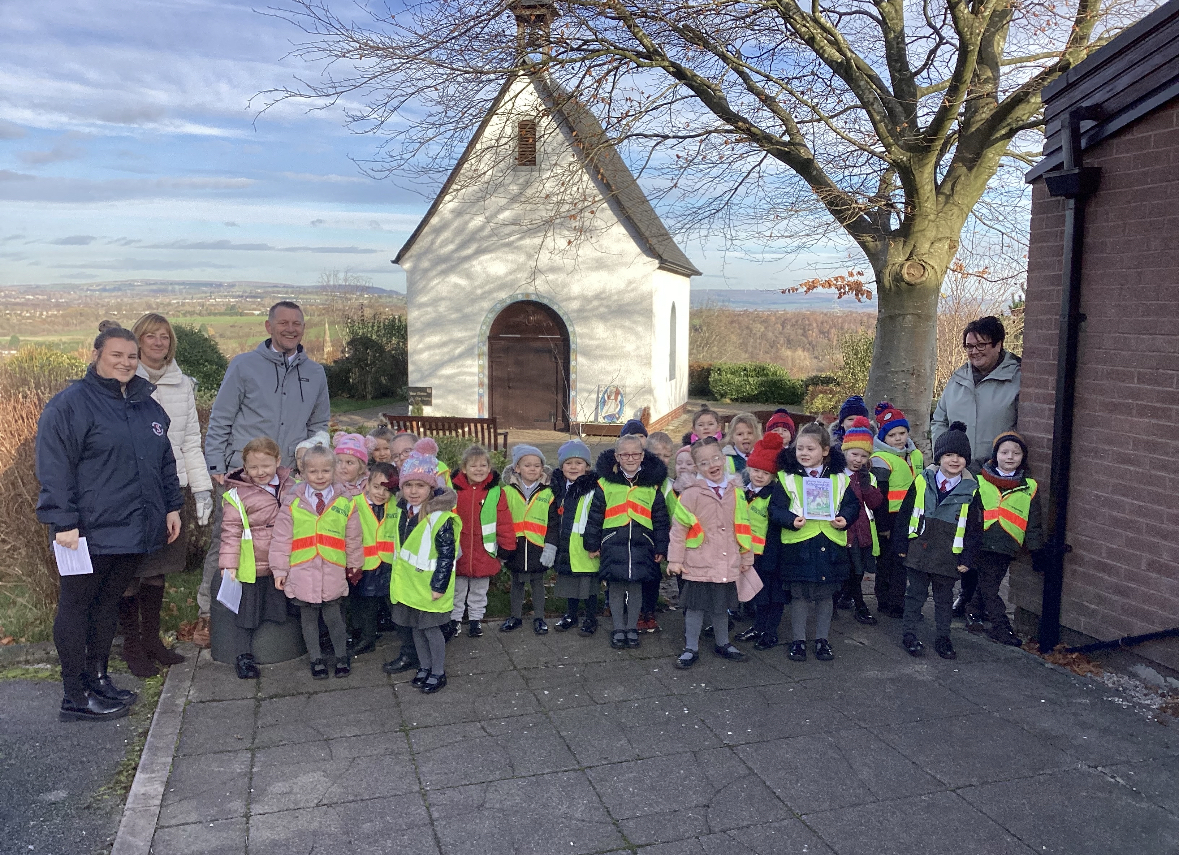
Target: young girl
{"x":422,"y":588}
{"x":351,"y":462}
{"x":938,"y":531}
{"x":705,"y":422}
{"x":781,"y":424}
{"x":526,"y":483}
{"x":253,"y":497}
{"x":307,"y":560}
{"x":378,"y":524}
{"x":710,"y":553}
{"x":488,"y":537}
{"x":379,"y":443}
{"x":627,"y":528}
{"x":862,"y":543}
{"x":321,"y":438}
{"x":744,"y":431}
{"x":849,"y":410}
{"x":564,"y":548}
{"x":895,"y":463}
{"x":769,"y":602}
{"x":1011,"y":520}
{"x":812,"y":557}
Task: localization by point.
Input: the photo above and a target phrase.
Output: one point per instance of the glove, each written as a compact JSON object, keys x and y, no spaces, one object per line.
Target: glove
{"x":204,"y":506}
{"x":548,"y":556}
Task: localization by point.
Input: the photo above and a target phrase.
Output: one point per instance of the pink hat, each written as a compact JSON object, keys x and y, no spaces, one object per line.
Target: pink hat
{"x":422,"y":463}
{"x":350,"y":443}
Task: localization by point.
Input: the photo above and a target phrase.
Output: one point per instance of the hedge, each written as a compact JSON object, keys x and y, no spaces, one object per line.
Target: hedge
{"x":754,"y":382}
{"x":699,"y":374}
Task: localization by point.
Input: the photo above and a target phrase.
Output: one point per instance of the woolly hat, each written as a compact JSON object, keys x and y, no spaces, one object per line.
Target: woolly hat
{"x":634,"y":427}
{"x":523,"y":450}
{"x":953,"y":441}
{"x":321,"y":438}
{"x":859,"y":435}
{"x":572,"y":449}
{"x":765,"y":453}
{"x":781,"y":418}
{"x":1010,"y":436}
{"x":351,"y":443}
{"x":853,"y":406}
{"x":889,"y":417}
{"x":422,"y":463}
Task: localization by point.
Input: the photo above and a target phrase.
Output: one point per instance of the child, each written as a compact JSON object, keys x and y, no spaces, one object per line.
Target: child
{"x":862,"y":543}
{"x":659,"y":443}
{"x":781,"y":424}
{"x":564,"y":548}
{"x":938,"y":532}
{"x":526,"y":483}
{"x":685,"y":468}
{"x":812,"y":557}
{"x":851,"y":409}
{"x":1011,"y":499}
{"x":895,"y":463}
{"x":379,"y":444}
{"x":307,"y":561}
{"x":627,"y":528}
{"x":635,"y":427}
{"x":705,"y":422}
{"x":422,"y":587}
{"x":321,"y":438}
{"x":488,"y":537}
{"x":252,"y":500}
{"x":769,"y":602}
{"x":351,"y":462}
{"x":710,"y":552}
{"x":744,"y":431}
{"x":378,"y":525}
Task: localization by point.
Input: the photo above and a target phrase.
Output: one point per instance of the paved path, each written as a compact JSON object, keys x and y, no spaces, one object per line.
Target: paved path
{"x":558,"y":744}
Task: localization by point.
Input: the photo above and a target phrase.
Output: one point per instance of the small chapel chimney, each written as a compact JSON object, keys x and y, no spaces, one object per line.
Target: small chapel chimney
{"x":534,"y":20}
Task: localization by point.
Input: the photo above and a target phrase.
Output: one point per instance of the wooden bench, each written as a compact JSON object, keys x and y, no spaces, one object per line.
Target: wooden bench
{"x":485,"y":432}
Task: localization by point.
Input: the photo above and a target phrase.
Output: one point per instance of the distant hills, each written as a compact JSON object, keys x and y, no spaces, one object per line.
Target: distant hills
{"x":772,"y":300}
{"x":191,"y":287}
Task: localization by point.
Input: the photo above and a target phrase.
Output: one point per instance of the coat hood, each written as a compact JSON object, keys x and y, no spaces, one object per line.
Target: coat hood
{"x":512,"y":479}
{"x":652,"y":473}
{"x":277,"y":358}
{"x":460,"y":481}
{"x":788,"y":461}
{"x":444,"y":499}
{"x":1007,"y":369}
{"x":584,"y":485}
{"x":880,"y":445}
{"x":172,"y":375}
{"x":238,"y":478}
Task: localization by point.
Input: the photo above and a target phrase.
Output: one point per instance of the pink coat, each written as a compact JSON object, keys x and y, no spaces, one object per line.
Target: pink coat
{"x":317,"y":580}
{"x":261,"y":509}
{"x":718,"y":559}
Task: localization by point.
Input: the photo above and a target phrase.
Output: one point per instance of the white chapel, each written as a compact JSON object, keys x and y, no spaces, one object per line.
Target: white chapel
{"x":542,"y":287}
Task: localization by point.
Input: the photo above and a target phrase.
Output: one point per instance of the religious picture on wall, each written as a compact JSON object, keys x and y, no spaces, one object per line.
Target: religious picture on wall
{"x":818,"y":499}
{"x":611,"y":404}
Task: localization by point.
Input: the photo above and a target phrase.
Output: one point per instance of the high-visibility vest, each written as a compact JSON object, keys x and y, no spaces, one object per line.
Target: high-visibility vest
{"x":379,"y":536}
{"x":417,"y":559}
{"x":323,"y":535}
{"x":872,"y":520}
{"x":530,"y":517}
{"x":487,"y":519}
{"x":669,"y":497}
{"x":625,"y":503}
{"x":792,"y":484}
{"x":759,"y":522}
{"x":1010,"y":509}
{"x":247,"y":564}
{"x":580,"y":560}
{"x":920,"y":488}
{"x":742,"y":528}
{"x":902,"y":472}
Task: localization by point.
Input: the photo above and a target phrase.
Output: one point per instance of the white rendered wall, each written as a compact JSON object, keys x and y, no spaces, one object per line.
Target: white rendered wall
{"x":667,"y":393}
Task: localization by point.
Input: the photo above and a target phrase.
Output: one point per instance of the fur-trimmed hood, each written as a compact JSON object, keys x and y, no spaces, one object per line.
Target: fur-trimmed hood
{"x":652,"y":473}
{"x":444,"y":499}
{"x":880,"y":445}
{"x":788,"y":461}
{"x":511,"y":478}
{"x":461,"y":483}
{"x":583,"y":486}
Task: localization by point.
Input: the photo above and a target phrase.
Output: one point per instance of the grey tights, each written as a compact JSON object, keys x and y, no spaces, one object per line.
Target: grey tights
{"x":694,"y":623}
{"x":626,"y":618}
{"x":431,"y":647}
{"x":798,"y":614}
{"x":333,"y":617}
{"x":519,"y":580}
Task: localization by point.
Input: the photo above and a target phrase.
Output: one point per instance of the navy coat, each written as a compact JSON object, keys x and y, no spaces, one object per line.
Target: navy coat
{"x":562,"y":512}
{"x":628,"y":552}
{"x":106,"y":467}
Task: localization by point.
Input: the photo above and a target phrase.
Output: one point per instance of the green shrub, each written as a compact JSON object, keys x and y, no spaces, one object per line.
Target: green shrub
{"x":199,"y":357}
{"x":40,"y":369}
{"x":813,"y":380}
{"x":699,"y":374}
{"x":375,"y":361}
{"x":451,"y":448}
{"x":754,"y":382}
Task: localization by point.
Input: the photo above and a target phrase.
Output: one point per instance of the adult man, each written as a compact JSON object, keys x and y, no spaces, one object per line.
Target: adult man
{"x":983,"y":393}
{"x":274,"y":390}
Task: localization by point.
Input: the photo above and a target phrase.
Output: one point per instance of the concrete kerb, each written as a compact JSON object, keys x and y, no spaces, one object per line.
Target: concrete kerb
{"x":137,"y":828}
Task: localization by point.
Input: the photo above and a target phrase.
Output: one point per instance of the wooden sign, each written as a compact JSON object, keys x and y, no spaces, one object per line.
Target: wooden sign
{"x":421,"y":396}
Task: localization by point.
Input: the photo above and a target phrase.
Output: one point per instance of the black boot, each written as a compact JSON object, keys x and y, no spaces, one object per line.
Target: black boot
{"x":151,"y":601}
{"x":90,"y":707}
{"x":138,"y":660}
{"x":98,"y":683}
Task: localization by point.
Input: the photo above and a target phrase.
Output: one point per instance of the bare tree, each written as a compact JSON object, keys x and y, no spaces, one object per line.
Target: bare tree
{"x":879,"y":120}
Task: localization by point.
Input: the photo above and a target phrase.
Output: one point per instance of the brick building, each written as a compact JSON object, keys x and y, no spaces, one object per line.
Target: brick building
{"x":1121,"y":576}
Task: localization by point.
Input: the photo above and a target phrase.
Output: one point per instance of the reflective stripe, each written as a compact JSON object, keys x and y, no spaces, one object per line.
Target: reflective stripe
{"x":920,"y":487}
{"x":416,"y":562}
{"x":624,"y":502}
{"x":901,"y":474}
{"x":247,"y":564}
{"x":580,"y":560}
{"x":741,"y":527}
{"x":322,"y":535}
{"x":487,"y":519}
{"x":792,"y":484}
{"x":530,"y":518}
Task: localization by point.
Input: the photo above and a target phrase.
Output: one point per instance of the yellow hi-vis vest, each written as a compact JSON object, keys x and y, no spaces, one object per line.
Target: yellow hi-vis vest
{"x":741,"y":525}
{"x":580,"y":560}
{"x":1010,"y":509}
{"x":247,"y":564}
{"x":417,"y":559}
{"x":487,"y":517}
{"x":902,"y":473}
{"x":759,"y":522}
{"x":530,"y":518}
{"x":625,"y":503}
{"x":380,"y":536}
{"x":792,"y":484}
{"x":920,"y":488}
{"x":323,"y":535}
{"x":872,"y":520}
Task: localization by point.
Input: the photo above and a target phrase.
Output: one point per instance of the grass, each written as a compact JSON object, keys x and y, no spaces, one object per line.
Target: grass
{"x":141,"y":715}
{"x":348,"y":405}
{"x":22,"y":622}
{"x":40,"y":673}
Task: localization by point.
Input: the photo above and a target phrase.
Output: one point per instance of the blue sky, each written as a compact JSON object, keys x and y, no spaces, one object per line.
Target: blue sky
{"x":128,"y":149}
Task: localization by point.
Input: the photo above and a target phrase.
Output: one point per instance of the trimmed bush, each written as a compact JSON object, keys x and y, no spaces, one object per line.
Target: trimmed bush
{"x":451,"y":448}
{"x":41,"y":370}
{"x":699,"y":375}
{"x":754,"y":382}
{"x":199,"y":357}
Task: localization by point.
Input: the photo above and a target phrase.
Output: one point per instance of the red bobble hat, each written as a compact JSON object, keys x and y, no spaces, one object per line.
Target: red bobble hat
{"x":765,"y":453}
{"x":781,"y":419}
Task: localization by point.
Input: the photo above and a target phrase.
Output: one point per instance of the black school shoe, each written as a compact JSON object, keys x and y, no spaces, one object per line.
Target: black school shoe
{"x":632,"y":639}
{"x":766,"y":641}
{"x":247,"y":668}
{"x":687,"y":659}
{"x":864,"y":616}
{"x":913,"y":645}
{"x":539,"y":626}
{"x":823,"y":651}
{"x":420,"y":677}
{"x":797,"y":651}
{"x":319,"y":670}
{"x":343,"y":667}
{"x":944,"y":648}
{"x":589,"y":626}
{"x":475,"y":629}
{"x":566,"y":623}
{"x":91,"y":707}
{"x":729,"y":652}
{"x":396,"y":666}
{"x":1004,"y":635}
{"x":510,"y":624}
{"x":751,"y":634}
{"x":618,"y":640}
{"x":367,"y":647}
{"x":434,"y":683}
{"x":450,"y":629}
{"x":99,"y":683}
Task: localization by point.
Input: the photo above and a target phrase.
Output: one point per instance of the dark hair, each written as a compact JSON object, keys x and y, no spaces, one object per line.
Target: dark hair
{"x":384,"y":470}
{"x":705,"y":410}
{"x":112,"y":329}
{"x":818,"y":431}
{"x":703,"y":442}
{"x":283,"y":304}
{"x":990,"y":328}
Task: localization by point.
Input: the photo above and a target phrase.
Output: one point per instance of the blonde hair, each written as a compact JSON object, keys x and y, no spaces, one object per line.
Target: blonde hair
{"x":261,"y":445}
{"x":151,"y":322}
{"x":747,"y":419}
{"x":662,"y":439}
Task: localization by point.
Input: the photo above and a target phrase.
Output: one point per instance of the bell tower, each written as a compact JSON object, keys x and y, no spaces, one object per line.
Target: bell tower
{"x":534,"y":19}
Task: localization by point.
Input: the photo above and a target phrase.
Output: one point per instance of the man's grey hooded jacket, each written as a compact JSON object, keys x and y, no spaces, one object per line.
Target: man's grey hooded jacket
{"x":264,"y":394}
{"x":988,"y":409}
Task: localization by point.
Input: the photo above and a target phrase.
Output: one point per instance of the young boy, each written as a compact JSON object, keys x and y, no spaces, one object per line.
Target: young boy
{"x":1011,"y":520}
{"x":770,"y":601}
{"x":938,"y":533}
{"x":895,"y":463}
{"x":526,"y":486}
{"x":577,"y":572}
{"x":851,"y":409}
{"x":378,"y":526}
{"x":862,"y":543}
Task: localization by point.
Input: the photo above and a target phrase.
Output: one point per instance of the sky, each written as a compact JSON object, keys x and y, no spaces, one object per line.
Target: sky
{"x":129,"y":149}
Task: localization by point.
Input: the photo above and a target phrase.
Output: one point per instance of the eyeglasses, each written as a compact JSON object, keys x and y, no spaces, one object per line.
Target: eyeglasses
{"x":638,"y":455}
{"x":712,"y":461}
{"x":977,"y":348}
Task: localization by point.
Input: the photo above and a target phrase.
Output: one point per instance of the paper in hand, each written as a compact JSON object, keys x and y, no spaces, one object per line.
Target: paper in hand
{"x":230,"y":593}
{"x":73,"y":562}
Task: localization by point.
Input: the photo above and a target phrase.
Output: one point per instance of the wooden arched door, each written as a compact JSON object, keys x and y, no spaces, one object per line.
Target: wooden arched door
{"x":528,"y":367}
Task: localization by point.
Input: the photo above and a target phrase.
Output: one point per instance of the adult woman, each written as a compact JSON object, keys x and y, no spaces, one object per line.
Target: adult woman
{"x":107,"y":474}
{"x":139,"y":609}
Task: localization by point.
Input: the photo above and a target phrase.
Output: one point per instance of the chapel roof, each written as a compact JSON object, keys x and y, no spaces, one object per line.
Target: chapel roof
{"x":604,"y":164}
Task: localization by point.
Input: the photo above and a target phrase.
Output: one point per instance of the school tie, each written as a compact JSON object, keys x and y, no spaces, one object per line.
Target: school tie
{"x":814,"y":473}
{"x":319,"y":504}
{"x":718,"y":492}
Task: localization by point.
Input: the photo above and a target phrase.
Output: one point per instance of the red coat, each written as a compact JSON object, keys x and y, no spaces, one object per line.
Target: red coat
{"x":474,"y":561}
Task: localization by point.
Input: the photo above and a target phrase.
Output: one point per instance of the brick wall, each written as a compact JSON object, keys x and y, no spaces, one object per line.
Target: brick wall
{"x":1123,"y":575}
